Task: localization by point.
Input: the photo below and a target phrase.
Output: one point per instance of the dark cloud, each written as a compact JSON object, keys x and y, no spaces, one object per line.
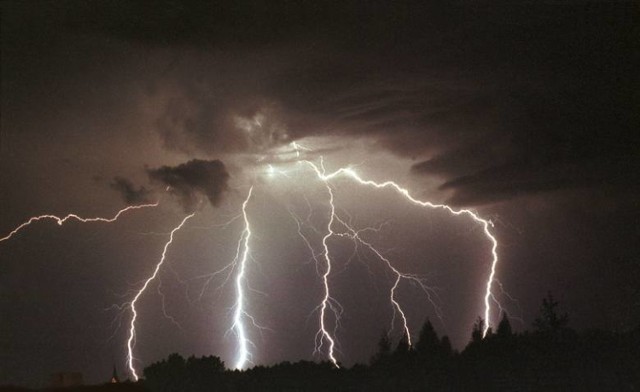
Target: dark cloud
{"x":128,"y":191}
{"x":470,"y":91}
{"x":616,"y":176}
{"x":187,"y":180}
{"x":489,"y":92}
{"x":455,"y":162}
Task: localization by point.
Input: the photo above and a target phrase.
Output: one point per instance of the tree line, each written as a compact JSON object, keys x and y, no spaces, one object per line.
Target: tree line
{"x":551,"y":357}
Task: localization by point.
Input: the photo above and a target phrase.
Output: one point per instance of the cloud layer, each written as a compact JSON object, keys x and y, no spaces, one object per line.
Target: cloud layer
{"x":494,"y":100}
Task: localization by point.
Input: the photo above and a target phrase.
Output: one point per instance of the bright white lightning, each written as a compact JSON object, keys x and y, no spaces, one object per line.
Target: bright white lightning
{"x":485,"y":223}
{"x":60,"y":221}
{"x":132,"y":325}
{"x":350,"y":173}
{"x":240,"y":313}
{"x":327,"y":300}
{"x":355,"y":236}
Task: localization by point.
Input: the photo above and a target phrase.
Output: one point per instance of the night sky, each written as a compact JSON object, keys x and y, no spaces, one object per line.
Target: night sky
{"x":525,"y":112}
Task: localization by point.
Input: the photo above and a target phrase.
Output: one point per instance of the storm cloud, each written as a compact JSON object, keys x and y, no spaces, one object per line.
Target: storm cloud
{"x":470,"y":92}
{"x":189,"y":180}
{"x":128,"y":191}
{"x":465,"y":90}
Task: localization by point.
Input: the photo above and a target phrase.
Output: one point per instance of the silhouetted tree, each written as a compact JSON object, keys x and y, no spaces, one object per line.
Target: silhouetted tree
{"x":401,"y":357}
{"x":478,"y":330}
{"x":431,"y":352}
{"x":587,"y":361}
{"x":167,"y":375}
{"x":428,"y":341}
{"x":384,"y":350}
{"x":445,"y":343}
{"x":403,"y":346}
{"x":550,"y":320}
{"x":177,"y":374}
{"x":203,"y":373}
{"x":384,"y":344}
{"x":504,"y":328}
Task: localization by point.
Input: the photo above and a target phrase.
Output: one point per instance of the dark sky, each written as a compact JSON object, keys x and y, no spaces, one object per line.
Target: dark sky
{"x":526,"y":112}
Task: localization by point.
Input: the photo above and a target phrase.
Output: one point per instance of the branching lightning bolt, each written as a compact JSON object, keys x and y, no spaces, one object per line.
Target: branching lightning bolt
{"x":239,"y":263}
{"x":132,"y":325}
{"x":239,"y":312}
{"x":397,"y":308}
{"x":61,"y":221}
{"x":486,"y":224}
{"x":327,"y":300}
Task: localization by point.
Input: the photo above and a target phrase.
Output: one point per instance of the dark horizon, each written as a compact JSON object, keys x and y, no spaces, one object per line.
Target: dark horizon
{"x":550,"y":356}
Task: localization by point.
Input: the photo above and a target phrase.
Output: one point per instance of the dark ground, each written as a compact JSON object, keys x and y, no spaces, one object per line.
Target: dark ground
{"x":551,"y":357}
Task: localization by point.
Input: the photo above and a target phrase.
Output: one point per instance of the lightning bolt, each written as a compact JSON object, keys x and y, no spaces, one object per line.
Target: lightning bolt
{"x":239,"y":314}
{"x":239,"y":263}
{"x":353,"y":175}
{"x":61,"y":221}
{"x":327,"y":300}
{"x":328,"y":303}
{"x":132,"y":305}
{"x":486,"y":224}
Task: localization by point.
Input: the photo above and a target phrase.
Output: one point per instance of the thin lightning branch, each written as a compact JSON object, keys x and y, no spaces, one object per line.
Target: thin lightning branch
{"x":223,"y":225}
{"x":518,"y":317}
{"x":164,"y":307}
{"x":356,"y":245}
{"x":355,"y":235}
{"x":132,"y":325}
{"x":231,"y":266}
{"x":312,"y":251}
{"x":61,"y":221}
{"x":117,"y":319}
{"x":183,"y":283}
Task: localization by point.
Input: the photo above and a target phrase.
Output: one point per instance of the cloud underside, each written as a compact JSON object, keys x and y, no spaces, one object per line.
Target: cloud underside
{"x":495,"y":101}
